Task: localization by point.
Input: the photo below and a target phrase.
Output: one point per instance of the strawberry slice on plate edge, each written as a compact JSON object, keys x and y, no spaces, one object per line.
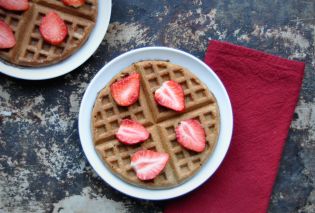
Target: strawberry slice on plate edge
{"x":126,"y":91}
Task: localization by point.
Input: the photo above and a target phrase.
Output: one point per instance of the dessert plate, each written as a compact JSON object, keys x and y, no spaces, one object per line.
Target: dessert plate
{"x":72,"y":62}
{"x":203,"y":72}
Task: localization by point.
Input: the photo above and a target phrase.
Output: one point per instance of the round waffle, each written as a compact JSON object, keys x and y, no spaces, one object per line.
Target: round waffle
{"x":31,"y":49}
{"x":159,"y":121}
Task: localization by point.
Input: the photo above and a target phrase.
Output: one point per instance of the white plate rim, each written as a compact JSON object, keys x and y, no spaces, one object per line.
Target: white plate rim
{"x":207,"y":169}
{"x":72,"y":62}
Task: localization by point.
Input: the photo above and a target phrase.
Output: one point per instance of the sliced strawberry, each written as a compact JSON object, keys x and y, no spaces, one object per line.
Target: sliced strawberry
{"x":15,"y":5}
{"x":171,"y":95}
{"x":7,"y":39}
{"x":74,"y":3}
{"x":131,"y":132}
{"x":148,"y":164}
{"x":126,"y":90}
{"x":53,"y":29}
{"x":191,"y":135}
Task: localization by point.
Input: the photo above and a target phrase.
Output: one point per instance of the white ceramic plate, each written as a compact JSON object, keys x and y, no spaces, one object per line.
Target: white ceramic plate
{"x":74,"y":61}
{"x":204,"y":73}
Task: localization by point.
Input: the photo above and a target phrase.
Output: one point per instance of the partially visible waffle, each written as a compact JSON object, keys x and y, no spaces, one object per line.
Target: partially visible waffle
{"x":159,"y":121}
{"x":31,"y":49}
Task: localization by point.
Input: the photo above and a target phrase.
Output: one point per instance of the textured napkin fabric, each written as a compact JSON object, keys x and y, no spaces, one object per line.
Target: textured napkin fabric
{"x":264,"y":90}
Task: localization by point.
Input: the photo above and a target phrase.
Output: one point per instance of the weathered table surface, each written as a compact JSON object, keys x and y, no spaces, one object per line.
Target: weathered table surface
{"x":42,"y":166}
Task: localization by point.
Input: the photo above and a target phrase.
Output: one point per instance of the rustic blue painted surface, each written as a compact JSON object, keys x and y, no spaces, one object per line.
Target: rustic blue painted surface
{"x":42,"y":166}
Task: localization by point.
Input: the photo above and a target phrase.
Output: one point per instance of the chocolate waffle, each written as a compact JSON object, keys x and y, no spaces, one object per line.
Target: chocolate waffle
{"x":159,"y":121}
{"x":31,"y":49}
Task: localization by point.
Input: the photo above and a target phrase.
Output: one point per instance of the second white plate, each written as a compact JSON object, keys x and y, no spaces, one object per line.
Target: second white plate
{"x":203,"y":72}
{"x":72,"y":62}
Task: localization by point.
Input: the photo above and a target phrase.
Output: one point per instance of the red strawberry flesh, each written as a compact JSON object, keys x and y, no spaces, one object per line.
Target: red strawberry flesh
{"x":73,"y":3}
{"x":14,"y":5}
{"x":53,"y":29}
{"x":126,"y":90}
{"x":7,"y":39}
{"x":191,"y":135}
{"x":131,"y":132}
{"x":148,"y":164}
{"x":171,"y":95}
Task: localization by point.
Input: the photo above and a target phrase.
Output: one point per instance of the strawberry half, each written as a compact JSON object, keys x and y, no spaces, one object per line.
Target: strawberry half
{"x":74,"y":3}
{"x":7,"y":39}
{"x":148,"y":164}
{"x":15,"y":5}
{"x":126,"y":90}
{"x":131,"y":132}
{"x":53,"y":29}
{"x":191,"y":135}
{"x":171,"y":95}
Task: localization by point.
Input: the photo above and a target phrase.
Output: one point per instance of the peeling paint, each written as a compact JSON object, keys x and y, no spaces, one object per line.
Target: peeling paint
{"x":190,"y":28}
{"x":14,"y":190}
{"x":162,"y":14}
{"x":6,"y":113}
{"x":313,"y":33}
{"x":306,"y":117}
{"x":306,"y":120}
{"x":197,"y":2}
{"x":74,"y":103}
{"x":4,"y":94}
{"x":88,"y":202}
{"x":57,"y":162}
{"x":243,"y":37}
{"x":236,"y":32}
{"x":297,"y":54}
{"x":56,"y":119}
{"x":134,"y":34}
{"x":289,"y":35}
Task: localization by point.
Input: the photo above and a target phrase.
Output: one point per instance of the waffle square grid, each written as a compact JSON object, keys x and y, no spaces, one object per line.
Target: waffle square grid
{"x":160,"y":122}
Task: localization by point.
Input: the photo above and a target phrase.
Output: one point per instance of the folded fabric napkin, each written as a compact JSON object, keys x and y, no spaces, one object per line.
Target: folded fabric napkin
{"x":264,"y":90}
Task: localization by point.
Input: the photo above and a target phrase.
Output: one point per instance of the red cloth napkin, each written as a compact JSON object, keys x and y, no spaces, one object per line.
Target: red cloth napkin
{"x":264,"y":90}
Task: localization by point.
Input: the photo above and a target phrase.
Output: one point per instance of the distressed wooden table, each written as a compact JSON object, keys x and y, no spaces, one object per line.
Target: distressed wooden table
{"x":42,"y":166}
